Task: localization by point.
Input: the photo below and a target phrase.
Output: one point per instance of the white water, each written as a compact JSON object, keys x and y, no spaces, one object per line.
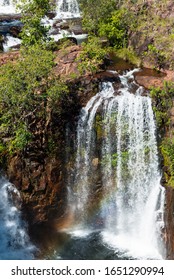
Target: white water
{"x":67,"y":9}
{"x":10,"y":42}
{"x":7,"y":7}
{"x":64,"y":8}
{"x":132,"y":198}
{"x":15,"y":243}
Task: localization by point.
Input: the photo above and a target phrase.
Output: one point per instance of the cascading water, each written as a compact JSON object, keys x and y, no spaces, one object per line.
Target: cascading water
{"x":117,"y":183}
{"x":7,"y":7}
{"x":67,"y":9}
{"x":64,"y":8}
{"x":15,"y":243}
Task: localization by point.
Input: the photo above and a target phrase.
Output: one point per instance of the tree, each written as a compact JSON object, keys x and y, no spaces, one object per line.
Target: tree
{"x":27,"y":89}
{"x":32,"y":13}
{"x":95,"y":11}
{"x":114,"y":28}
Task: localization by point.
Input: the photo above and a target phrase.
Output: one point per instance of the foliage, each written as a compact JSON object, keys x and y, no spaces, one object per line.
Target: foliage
{"x":106,"y":20}
{"x":114,"y":29}
{"x":32,"y":14}
{"x":94,"y":12}
{"x":167,"y":151}
{"x":128,"y":54}
{"x":92,"y":55}
{"x":157,"y":56}
{"x":150,"y":32}
{"x":27,"y":89}
{"x":162,"y":104}
{"x":21,"y":138}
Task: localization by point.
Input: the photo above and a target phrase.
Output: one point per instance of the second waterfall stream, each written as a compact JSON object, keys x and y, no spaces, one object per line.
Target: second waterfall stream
{"x":115,"y":189}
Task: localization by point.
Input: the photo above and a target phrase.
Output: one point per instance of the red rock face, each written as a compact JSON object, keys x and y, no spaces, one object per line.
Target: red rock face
{"x":151,"y":78}
{"x":169,"y":221}
{"x":40,"y":181}
{"x":12,"y":56}
{"x":39,"y":172}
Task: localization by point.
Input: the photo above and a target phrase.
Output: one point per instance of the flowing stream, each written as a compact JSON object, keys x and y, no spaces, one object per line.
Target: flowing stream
{"x":64,"y":8}
{"x":116,"y":189}
{"x":67,"y":9}
{"x":7,"y":7}
{"x":15,"y":243}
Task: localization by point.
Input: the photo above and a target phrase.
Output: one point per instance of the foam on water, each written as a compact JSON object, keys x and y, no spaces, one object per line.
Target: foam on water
{"x":15,"y":243}
{"x":67,"y":9}
{"x":10,"y":42}
{"x":7,"y":7}
{"x":130,"y":196}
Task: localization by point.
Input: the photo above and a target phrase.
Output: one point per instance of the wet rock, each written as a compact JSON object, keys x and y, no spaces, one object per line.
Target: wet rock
{"x":15,"y":31}
{"x":77,"y":29}
{"x":9,"y":17}
{"x":151,"y":78}
{"x":169,"y":222}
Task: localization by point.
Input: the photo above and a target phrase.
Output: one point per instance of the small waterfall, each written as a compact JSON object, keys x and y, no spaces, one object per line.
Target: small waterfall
{"x":11,"y":42}
{"x":117,"y":184}
{"x":64,"y":8}
{"x":67,"y":9}
{"x":7,"y":7}
{"x":15,"y":243}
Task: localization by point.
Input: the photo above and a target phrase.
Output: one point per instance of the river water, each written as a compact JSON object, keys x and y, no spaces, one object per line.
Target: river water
{"x":15,"y":242}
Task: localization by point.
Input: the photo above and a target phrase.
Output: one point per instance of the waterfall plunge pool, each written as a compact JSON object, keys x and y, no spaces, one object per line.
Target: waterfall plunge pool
{"x":126,"y":222}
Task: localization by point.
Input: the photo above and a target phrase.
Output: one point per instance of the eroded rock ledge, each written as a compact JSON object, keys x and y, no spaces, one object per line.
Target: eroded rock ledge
{"x":39,"y":172}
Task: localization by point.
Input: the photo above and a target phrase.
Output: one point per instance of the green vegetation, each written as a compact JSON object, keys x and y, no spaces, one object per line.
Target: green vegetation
{"x":167,"y":151}
{"x":32,"y":13}
{"x":95,"y":12}
{"x":132,"y":29}
{"x":92,"y":56}
{"x":143,"y":29}
{"x":156,"y":56}
{"x":162,"y":103}
{"x":28,"y":89}
{"x":151,"y":29}
{"x":114,"y":29}
{"x":129,"y":55}
{"x":106,"y":22}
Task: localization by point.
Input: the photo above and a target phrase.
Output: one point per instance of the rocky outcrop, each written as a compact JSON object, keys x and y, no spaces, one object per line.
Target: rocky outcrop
{"x":12,"y":56}
{"x":169,"y":222}
{"x":152,"y":38}
{"x":39,"y":171}
{"x":149,"y":78}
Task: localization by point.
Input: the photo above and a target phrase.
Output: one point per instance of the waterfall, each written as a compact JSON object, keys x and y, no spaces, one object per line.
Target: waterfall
{"x":15,"y":243}
{"x":64,"y":8}
{"x":117,"y":188}
{"x":67,"y":9}
{"x":7,"y":7}
{"x":10,"y":42}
